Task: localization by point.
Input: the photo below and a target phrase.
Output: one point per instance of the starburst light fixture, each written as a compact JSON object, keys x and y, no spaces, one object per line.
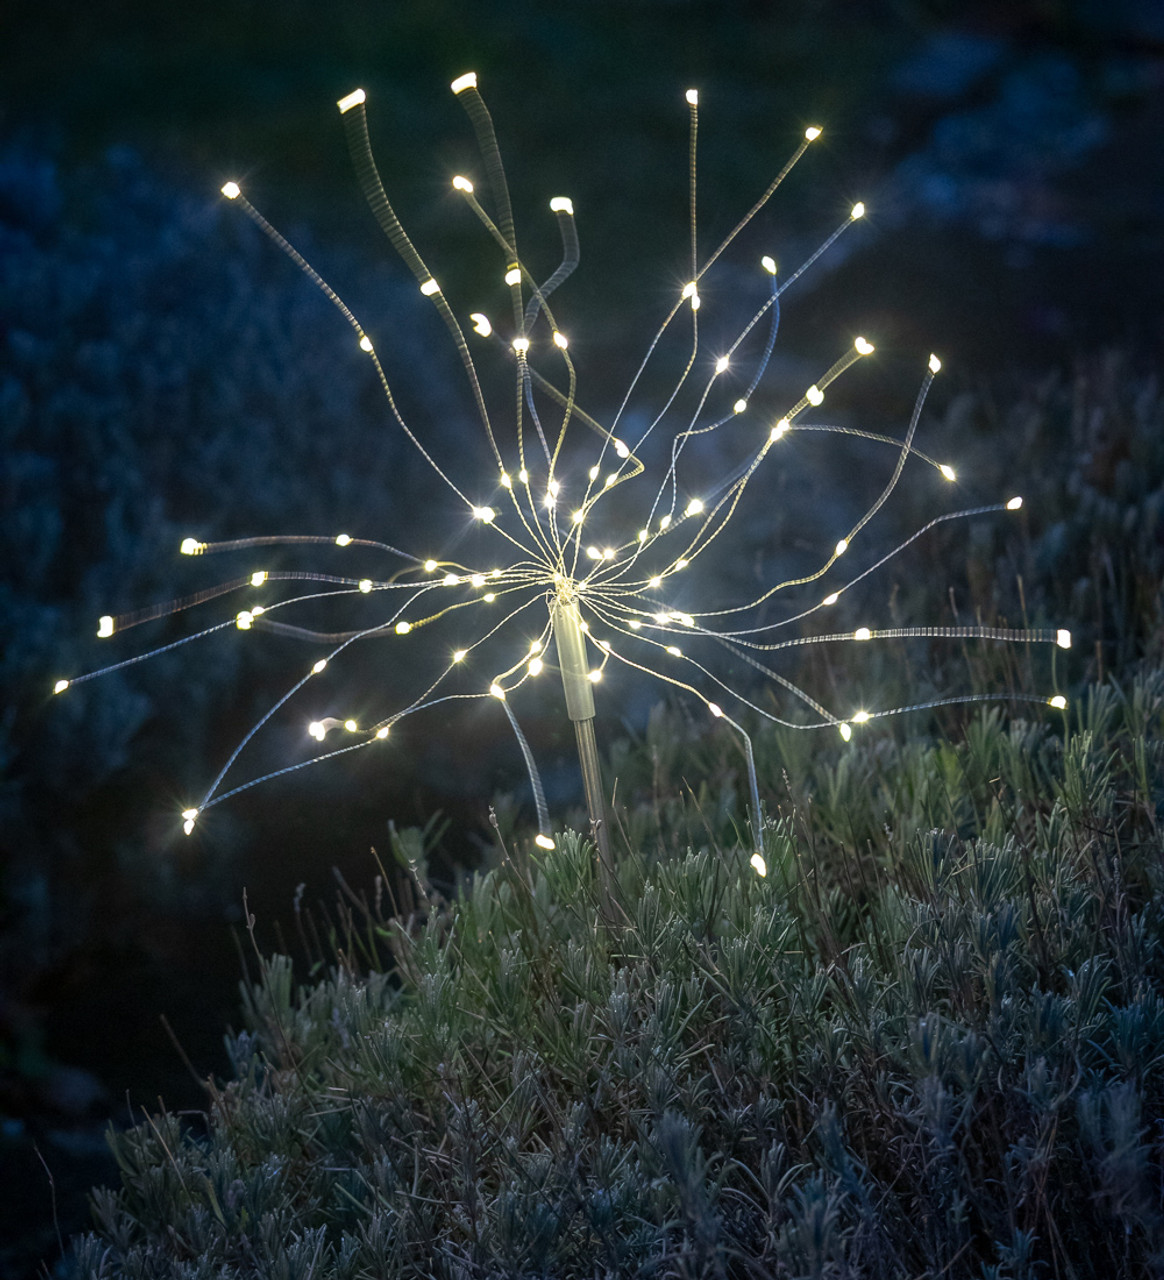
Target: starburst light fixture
{"x":610,"y":595}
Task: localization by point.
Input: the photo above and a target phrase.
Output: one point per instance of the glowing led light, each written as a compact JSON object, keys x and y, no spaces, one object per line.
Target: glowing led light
{"x":317,"y":730}
{"x":1014,"y":504}
{"x":365,"y":585}
{"x":862,"y":633}
{"x":513,"y":276}
{"x":467,"y":81}
{"x":692,"y":96}
{"x":814,"y":395}
{"x":861,"y":717}
{"x":343,"y":540}
{"x":656,"y":581}
{"x":643,"y":535}
{"x":1063,"y":638}
{"x":721,"y":364}
{"x":258,"y":609}
{"x":674,"y":652}
{"x":351,"y":100}
{"x":694,"y":507}
{"x":845,"y":731}
{"x":430,"y":566}
{"x":244,"y":620}
{"x":192,"y":547}
{"x":430,"y":287}
{"x":105,"y":627}
{"x":594,"y":553}
{"x":506,"y":482}
{"x":578,"y":516}
{"x":948,"y":471}
{"x":663,"y":618}
{"x":739,"y":406}
{"x":497,"y":691}
{"x":60,"y":686}
{"x":682,"y":564}
{"x":351,"y":726}
{"x":543,"y":842}
{"x":521,"y":345}
{"x":462,"y":184}
{"x":489,"y":597}
{"x":231,"y":190}
{"x":403,"y":628}
{"x":778,"y":430}
{"x":594,"y":676}
{"x":1059,"y":702}
{"x":561,"y":204}
{"x":841,"y":547}
{"x":812,"y":133}
{"x":621,"y":449}
{"x":935,"y":364}
{"x":477,"y":579}
{"x":484,"y":514}
{"x":190,"y":816}
{"x":691,"y":291}
{"x":258,"y":577}
{"x":365,"y":343}
{"x":321,"y":665}
{"x":481,"y":323}
{"x":664,"y":521}
{"x":459,"y":655}
{"x":523,"y":476}
{"x":383,"y":731}
{"x":858,"y":210}
{"x":715,"y":709}
{"x":758,"y":865}
{"x":535,"y":646}
{"x":836,"y":595}
{"x":593,"y":473}
{"x":769,"y":264}
{"x":535,"y":666}
{"x":635,"y":624}
{"x":560,"y":340}
{"x":450,"y":580}
{"x":863,"y":346}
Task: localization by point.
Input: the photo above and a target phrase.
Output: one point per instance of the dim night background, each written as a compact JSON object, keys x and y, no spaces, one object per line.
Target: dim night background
{"x":164,"y":372}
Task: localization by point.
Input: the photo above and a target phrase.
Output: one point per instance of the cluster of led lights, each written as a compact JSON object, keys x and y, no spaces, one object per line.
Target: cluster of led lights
{"x":618,"y":586}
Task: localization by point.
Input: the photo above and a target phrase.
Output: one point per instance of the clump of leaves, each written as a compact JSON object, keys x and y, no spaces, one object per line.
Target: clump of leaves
{"x":929,"y":1043}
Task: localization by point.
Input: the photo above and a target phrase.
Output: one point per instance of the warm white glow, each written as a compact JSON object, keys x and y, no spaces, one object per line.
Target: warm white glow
{"x":664,"y":521}
{"x":715,"y":710}
{"x":343,"y":540}
{"x":231,"y":190}
{"x":513,"y":275}
{"x":858,"y":210}
{"x":812,"y":133}
{"x":578,"y":517}
{"x":543,"y":842}
{"x":365,"y":585}
{"x":721,"y":364}
{"x":593,"y":473}
{"x":635,"y":624}
{"x":192,"y":547}
{"x":935,"y":364}
{"x":317,"y":731}
{"x":560,"y":341}
{"x":523,"y":476}
{"x":351,"y":726}
{"x":846,"y":731}
{"x":105,"y":627}
{"x":1059,"y":702}
{"x":769,"y":264}
{"x":244,"y":620}
{"x":489,"y":597}
{"x":403,"y":628}
{"x":739,"y":406}
{"x":842,"y":547}
{"x":430,"y":566}
{"x":351,"y":100}
{"x":1014,"y":504}
{"x":258,"y":577}
{"x":643,"y":535}
{"x":450,"y":580}
{"x":257,"y":610}
{"x":861,"y":717}
{"x":948,"y":471}
{"x":383,"y":731}
{"x":864,"y":347}
{"x":535,"y":666}
{"x":655,"y":582}
{"x":594,"y":676}
{"x":836,"y":595}
{"x":862,"y":633}
{"x":814,"y":395}
{"x":691,"y":291}
{"x":621,"y":449}
{"x":497,"y":691}
{"x":694,"y":507}
{"x":778,"y":430}
{"x":758,"y":865}
{"x":459,"y":655}
{"x":682,"y":564}
{"x":319,"y":666}
{"x":485,"y":514}
{"x":365,"y":343}
{"x":535,"y":646}
{"x":467,"y":81}
{"x":462,"y":184}
{"x":610,"y":479}
{"x":477,"y":579}
{"x":608,"y":553}
{"x":190,"y":816}
{"x":1063,"y":638}
{"x":692,"y":96}
{"x":562,"y":204}
{"x":674,"y":652}
{"x":481,"y":323}
{"x":521,"y":345}
{"x":60,"y":686}
{"x":430,"y":287}
{"x":506,"y":482}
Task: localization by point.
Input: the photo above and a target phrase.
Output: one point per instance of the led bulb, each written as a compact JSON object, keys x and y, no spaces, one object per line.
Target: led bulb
{"x":1063,"y":639}
{"x":481,"y":323}
{"x":462,"y":184}
{"x":845,"y":731}
{"x":459,"y":655}
{"x":321,"y":665}
{"x":365,"y":343}
{"x":317,"y":730}
{"x":244,"y":620}
{"x":814,"y":395}
{"x":861,"y":717}
{"x":836,"y":595}
{"x":430,"y":287}
{"x":351,"y":100}
{"x":694,"y":507}
{"x":104,"y":627}
{"x":231,"y":190}
{"x":489,"y":597}
{"x":778,"y":430}
{"x":497,"y":691}
{"x":485,"y":514}
{"x":521,"y":345}
{"x":758,"y":865}
{"x":192,"y":547}
{"x":344,"y":540}
{"x":477,"y":579}
{"x":643,"y":535}
{"x":190,"y":816}
{"x":60,"y":686}
{"x":562,"y":204}
{"x":842,"y":547}
{"x":403,"y":628}
{"x":715,"y":710}
{"x":811,"y":134}
{"x":1014,"y":504}
{"x":721,"y":364}
{"x":513,"y":275}
{"x":692,"y":96}
{"x":365,"y":585}
{"x":430,"y":566}
{"x":862,"y":633}
{"x":450,"y":580}
{"x":1059,"y":702}
{"x":655,"y":582}
{"x":635,"y":624}
{"x":665,"y":521}
{"x":523,"y":476}
{"x":674,"y":652}
{"x":578,"y":517}
{"x":467,"y":81}
{"x":935,"y":364}
{"x":543,"y":842}
{"x":594,"y":553}
{"x":351,"y":726}
{"x":948,"y":471}
{"x":535,"y":666}
{"x":560,"y":341}
{"x":739,"y":406}
{"x":621,"y":449}
{"x":858,"y":210}
{"x":682,"y":564}
{"x":506,"y":482}
{"x":863,"y":346}
{"x":594,"y":676}
{"x":383,"y":731}
{"x":593,"y":474}
{"x":258,"y":577}
{"x":769,"y":264}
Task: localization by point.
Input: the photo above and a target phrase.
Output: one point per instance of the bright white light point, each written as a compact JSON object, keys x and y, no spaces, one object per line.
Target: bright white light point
{"x":655,"y":582}
{"x":258,"y":609}
{"x":343,"y":540}
{"x":721,"y":364}
{"x":191,"y":816}
{"x":836,"y":595}
{"x":192,"y":547}
{"x":521,"y":345}
{"x":383,"y":731}
{"x":621,"y":449}
{"x":864,"y":347}
{"x":513,"y":275}
{"x":935,"y":364}
{"x":1059,"y":702}
{"x":769,"y":264}
{"x":845,"y":731}
{"x":861,"y":717}
{"x":682,"y":564}
{"x":462,"y":184}
{"x":663,"y":618}
{"x":858,"y":210}
{"x":608,"y":553}
{"x":403,"y":628}
{"x":685,"y":618}
{"x":319,"y":666}
{"x":689,"y":290}
{"x":561,"y":204}
{"x":543,"y":842}
{"x":60,"y":686}
{"x":842,"y":547}
{"x":497,"y":691}
{"x":489,"y":597}
{"x":694,"y":507}
{"x":811,"y":134}
{"x":814,"y":395}
{"x":351,"y":100}
{"x":485,"y":514}
{"x":351,"y":726}
{"x":506,"y":482}
{"x":578,"y":517}
{"x":593,"y":473}
{"x":739,"y":406}
{"x":467,"y":81}
{"x":560,"y":340}
{"x":1063,"y":639}
{"x":643,"y":535}
{"x":450,"y":580}
{"x":674,"y":652}
{"x":758,"y":864}
{"x":523,"y":476}
{"x":105,"y":627}
{"x":365,"y":343}
{"x":535,"y":666}
{"x":258,"y":577}
{"x":594,"y":553}
{"x":664,"y":521}
{"x":231,"y":190}
{"x":594,"y":676}
{"x":459,"y":655}
{"x":535,"y":646}
{"x":948,"y":471}
{"x":481,"y":323}
{"x":365,"y":585}
{"x":317,"y":731}
{"x":554,"y":488}
{"x":477,"y":579}
{"x":862,"y":633}
{"x":635,"y":624}
{"x":1014,"y":504}
{"x":429,"y":566}
{"x":430,"y":287}
{"x":715,"y":710}
{"x":610,"y":479}
{"x":778,"y":430}
{"x":692,"y":96}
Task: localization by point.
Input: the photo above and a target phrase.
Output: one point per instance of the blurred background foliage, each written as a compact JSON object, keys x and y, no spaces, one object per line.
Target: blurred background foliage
{"x":164,"y":372}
